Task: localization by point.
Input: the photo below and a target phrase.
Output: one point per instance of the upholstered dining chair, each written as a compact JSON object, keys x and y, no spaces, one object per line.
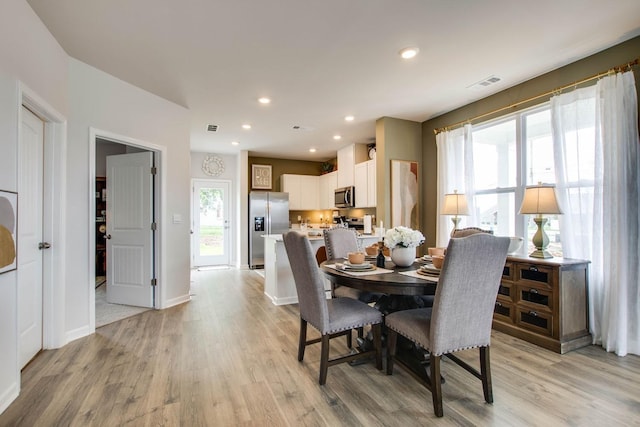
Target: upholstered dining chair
{"x":338,"y":243}
{"x":464,"y":232}
{"x":462,"y":311}
{"x":331,"y":317}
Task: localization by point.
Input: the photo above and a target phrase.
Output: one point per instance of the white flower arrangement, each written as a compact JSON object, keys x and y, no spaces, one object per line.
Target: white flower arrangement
{"x":403,"y":237}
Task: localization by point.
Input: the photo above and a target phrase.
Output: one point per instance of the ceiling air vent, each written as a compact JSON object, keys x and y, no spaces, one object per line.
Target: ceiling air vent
{"x":212,"y":128}
{"x":484,"y":83}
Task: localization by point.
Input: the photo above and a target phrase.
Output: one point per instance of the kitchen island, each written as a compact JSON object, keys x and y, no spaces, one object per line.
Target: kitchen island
{"x":279,"y":285}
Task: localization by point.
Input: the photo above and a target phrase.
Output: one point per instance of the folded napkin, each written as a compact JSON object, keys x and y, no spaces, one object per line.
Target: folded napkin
{"x":375,"y":270}
{"x":414,"y":273}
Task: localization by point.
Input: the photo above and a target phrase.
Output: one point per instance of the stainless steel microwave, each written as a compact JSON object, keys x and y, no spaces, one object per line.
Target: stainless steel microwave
{"x":345,"y":197}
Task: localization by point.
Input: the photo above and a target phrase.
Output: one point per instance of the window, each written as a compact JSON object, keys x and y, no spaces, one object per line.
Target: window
{"x":509,"y":154}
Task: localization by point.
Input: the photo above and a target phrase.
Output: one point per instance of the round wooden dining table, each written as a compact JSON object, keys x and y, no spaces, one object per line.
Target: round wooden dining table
{"x":393,"y":283}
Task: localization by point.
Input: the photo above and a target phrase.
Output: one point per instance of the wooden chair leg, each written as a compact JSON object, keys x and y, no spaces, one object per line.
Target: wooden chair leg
{"x":324,"y":359}
{"x":436,"y":386}
{"x":360,"y":332}
{"x":485,"y":373}
{"x":377,"y":342}
{"x":349,"y":340}
{"x":392,"y":338}
{"x":302,"y":342}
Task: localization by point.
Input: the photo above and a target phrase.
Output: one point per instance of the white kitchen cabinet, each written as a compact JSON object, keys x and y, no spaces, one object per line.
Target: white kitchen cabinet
{"x":303,"y":191}
{"x":365,"y":183}
{"x":328,"y":183}
{"x":348,"y":157}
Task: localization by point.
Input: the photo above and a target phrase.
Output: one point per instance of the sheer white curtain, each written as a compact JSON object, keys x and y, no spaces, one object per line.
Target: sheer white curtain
{"x":455,"y":172}
{"x":595,"y":132}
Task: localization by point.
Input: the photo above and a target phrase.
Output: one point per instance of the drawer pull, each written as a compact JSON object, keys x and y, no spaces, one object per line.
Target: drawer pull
{"x":533,"y":291}
{"x":498,"y":304}
{"x":533,"y":313}
{"x":533,"y":268}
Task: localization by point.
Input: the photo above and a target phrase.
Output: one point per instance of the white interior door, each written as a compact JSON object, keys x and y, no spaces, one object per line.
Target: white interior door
{"x":129,"y":229}
{"x":211,"y":244}
{"x":29,"y":262}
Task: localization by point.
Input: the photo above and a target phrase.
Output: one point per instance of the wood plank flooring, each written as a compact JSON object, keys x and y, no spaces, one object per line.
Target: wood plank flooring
{"x":229,"y":358}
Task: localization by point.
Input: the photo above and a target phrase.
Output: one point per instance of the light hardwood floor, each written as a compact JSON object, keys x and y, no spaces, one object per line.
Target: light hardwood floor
{"x":228,"y":358}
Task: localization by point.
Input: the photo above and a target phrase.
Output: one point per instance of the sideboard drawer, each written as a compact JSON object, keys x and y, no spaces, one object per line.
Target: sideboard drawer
{"x":507,"y":291}
{"x":538,"y":321}
{"x":507,"y":271}
{"x":534,"y":274}
{"x":504,"y":311}
{"x":538,"y":297}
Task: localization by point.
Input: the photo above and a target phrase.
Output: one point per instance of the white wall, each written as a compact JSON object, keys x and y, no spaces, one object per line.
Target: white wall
{"x":28,"y":53}
{"x":86,"y":97}
{"x":98,"y":100}
{"x":231,"y":171}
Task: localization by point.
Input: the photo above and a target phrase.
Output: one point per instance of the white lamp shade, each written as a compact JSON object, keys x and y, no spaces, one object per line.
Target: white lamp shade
{"x":455,"y":204}
{"x":540,"y":199}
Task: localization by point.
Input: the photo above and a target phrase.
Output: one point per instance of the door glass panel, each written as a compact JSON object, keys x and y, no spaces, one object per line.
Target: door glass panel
{"x":211,"y":221}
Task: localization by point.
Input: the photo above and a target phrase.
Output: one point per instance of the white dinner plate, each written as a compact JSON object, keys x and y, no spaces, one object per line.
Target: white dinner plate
{"x":363,"y":266}
{"x":430,"y":269}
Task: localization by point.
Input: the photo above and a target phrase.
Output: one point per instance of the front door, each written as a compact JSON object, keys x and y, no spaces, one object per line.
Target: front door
{"x":211,"y":212}
{"x":130,"y":235}
{"x":29,"y":262}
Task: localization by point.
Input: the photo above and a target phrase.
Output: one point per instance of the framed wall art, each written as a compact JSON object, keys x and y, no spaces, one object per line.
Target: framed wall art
{"x":8,"y":230}
{"x":261,"y":177}
{"x":404,"y":194}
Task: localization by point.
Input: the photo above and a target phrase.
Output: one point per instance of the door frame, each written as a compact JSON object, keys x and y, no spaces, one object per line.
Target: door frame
{"x":159,"y":209}
{"x":53,"y":222}
{"x":230,"y":215}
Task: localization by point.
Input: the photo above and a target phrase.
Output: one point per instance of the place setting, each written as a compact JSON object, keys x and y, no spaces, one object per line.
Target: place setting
{"x":357,"y":264}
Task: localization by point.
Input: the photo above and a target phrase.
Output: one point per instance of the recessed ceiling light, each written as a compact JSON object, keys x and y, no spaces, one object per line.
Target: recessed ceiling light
{"x":246,"y":126}
{"x":312,"y":150}
{"x":349,"y":118}
{"x":235,"y":143}
{"x":409,"y":52}
{"x":264,"y":100}
{"x":337,"y":137}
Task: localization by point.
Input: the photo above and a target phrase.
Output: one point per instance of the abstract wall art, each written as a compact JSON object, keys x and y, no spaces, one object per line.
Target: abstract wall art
{"x":8,"y":230}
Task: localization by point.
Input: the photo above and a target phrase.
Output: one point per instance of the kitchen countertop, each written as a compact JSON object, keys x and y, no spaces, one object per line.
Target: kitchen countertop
{"x":278,"y":237}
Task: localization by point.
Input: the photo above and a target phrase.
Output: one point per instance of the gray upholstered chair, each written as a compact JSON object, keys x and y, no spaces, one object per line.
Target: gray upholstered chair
{"x":338,"y":243}
{"x":464,"y":232}
{"x":331,"y":317}
{"x":462,"y":311}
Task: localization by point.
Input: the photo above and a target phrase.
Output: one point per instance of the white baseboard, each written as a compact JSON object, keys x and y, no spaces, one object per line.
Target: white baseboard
{"x":9,"y":395}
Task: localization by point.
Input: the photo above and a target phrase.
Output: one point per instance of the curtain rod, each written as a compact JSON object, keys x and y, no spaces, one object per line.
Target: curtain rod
{"x":617,"y":69}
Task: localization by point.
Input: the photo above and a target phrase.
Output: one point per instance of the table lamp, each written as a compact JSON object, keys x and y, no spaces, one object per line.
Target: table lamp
{"x":455,"y":204}
{"x":538,"y":200}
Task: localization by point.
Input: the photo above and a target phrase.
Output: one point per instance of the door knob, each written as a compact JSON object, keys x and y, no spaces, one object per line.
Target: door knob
{"x":44,"y":245}
{"x":108,"y":236}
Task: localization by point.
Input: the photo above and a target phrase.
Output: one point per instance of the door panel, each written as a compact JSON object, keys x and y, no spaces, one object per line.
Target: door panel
{"x":129,"y":234}
{"x":211,"y":222}
{"x":30,"y":196}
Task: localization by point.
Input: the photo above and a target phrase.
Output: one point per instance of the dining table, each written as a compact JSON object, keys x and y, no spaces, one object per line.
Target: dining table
{"x":390,"y":280}
{"x":402,"y":288}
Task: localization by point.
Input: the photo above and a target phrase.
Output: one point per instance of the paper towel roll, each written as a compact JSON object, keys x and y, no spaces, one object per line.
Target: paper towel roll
{"x":367,"y":224}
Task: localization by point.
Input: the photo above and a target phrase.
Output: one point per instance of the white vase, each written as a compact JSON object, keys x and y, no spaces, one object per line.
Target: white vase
{"x":403,"y":257}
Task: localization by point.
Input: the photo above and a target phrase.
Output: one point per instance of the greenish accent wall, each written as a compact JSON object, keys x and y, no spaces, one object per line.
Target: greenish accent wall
{"x":284,"y":166}
{"x":396,"y":139}
{"x":617,"y":55}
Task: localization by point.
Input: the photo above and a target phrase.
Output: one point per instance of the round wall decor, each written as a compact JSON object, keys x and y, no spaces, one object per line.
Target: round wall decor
{"x":212,"y":165}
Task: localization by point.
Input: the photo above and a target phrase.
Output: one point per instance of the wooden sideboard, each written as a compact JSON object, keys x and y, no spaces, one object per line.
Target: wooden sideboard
{"x":545,"y":302}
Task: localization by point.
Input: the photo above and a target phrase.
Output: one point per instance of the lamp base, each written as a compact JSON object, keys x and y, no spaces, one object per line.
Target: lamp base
{"x":455,"y":221}
{"x":540,"y":240}
{"x":540,"y":253}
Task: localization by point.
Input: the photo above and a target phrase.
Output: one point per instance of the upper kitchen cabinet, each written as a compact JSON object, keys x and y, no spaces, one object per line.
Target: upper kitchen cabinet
{"x":328,"y":183}
{"x":303,"y":191}
{"x":365,"y":183}
{"x":348,"y":157}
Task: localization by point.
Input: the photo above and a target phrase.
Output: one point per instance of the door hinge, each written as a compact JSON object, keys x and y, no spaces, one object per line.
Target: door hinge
{"x":154,"y":282}
{"x":154,"y":226}
{"x":154,"y":170}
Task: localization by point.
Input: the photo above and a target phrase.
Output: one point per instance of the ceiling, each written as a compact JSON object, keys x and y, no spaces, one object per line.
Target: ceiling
{"x":320,"y":61}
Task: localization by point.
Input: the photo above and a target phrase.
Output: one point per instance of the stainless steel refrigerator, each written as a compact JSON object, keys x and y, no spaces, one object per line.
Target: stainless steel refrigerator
{"x":268,"y":214}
